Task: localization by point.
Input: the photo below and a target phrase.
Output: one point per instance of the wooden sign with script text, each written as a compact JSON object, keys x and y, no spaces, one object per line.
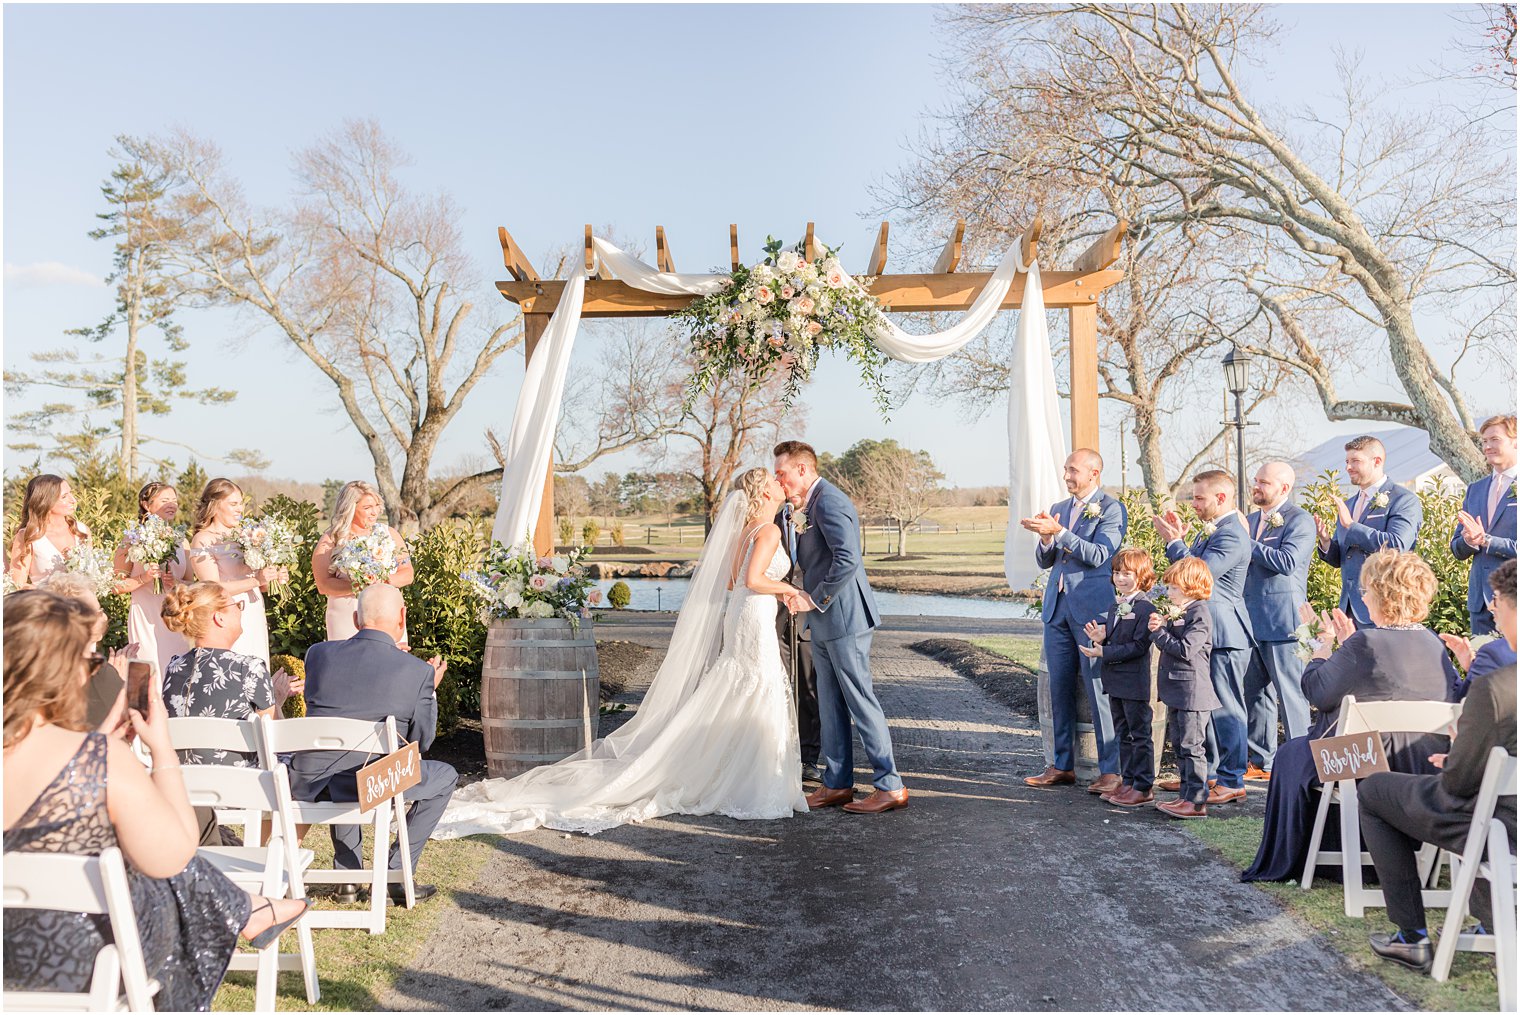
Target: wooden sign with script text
{"x":1353,"y":756}
{"x":392,"y":774}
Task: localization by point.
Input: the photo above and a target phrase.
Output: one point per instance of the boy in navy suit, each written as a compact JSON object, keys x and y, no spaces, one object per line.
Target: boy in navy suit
{"x":1486,"y":525}
{"x":1380,"y":515}
{"x":1183,"y":682}
{"x":1122,"y":644}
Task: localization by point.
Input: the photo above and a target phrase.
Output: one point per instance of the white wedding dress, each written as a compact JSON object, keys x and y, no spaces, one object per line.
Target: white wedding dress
{"x":709,"y":737}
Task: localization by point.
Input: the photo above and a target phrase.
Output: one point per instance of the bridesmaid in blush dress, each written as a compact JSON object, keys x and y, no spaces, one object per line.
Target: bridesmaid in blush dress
{"x":145,"y":623}
{"x":357,"y":513}
{"x":214,"y":557}
{"x":48,"y":531}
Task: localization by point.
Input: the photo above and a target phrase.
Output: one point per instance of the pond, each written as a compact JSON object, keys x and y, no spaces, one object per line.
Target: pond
{"x":670,"y":593}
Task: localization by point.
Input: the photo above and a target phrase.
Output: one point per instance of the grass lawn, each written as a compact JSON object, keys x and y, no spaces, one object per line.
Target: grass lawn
{"x":1472,"y":986}
{"x":1023,"y":650}
{"x":355,"y":967}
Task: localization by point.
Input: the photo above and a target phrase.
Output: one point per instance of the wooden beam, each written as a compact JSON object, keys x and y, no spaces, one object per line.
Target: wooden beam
{"x":1029,"y":243}
{"x":1105,"y":250}
{"x":901,"y":293}
{"x":662,"y":256}
{"x":1083,"y":322}
{"x":590,"y":253}
{"x":733,"y":245}
{"x":951,"y":255}
{"x":809,"y":245}
{"x":879,"y":254}
{"x":512,"y":256}
{"x":543,"y":533}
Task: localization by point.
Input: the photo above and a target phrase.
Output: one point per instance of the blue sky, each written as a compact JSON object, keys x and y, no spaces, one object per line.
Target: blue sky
{"x":537,"y":118}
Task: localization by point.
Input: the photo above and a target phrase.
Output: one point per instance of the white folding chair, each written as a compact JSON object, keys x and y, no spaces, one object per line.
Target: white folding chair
{"x":83,"y":884}
{"x":274,"y":870}
{"x":1363,"y":717}
{"x":1486,"y":834}
{"x":239,"y":735}
{"x":375,"y":739}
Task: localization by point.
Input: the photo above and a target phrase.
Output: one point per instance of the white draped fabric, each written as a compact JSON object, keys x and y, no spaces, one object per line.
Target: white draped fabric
{"x":1035,"y":445}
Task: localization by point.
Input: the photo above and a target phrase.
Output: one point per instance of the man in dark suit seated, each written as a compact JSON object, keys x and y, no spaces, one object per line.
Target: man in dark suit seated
{"x":367,"y":677}
{"x":1400,"y":812}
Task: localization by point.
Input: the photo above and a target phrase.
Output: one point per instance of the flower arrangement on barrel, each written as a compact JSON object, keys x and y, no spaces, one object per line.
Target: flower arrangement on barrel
{"x":780,"y":314}
{"x":515,"y":584}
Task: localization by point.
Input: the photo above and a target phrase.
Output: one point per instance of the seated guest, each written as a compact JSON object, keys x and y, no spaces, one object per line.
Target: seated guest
{"x":367,"y":677}
{"x":1400,"y":812}
{"x":56,"y":772}
{"x":1122,"y":643}
{"x":211,"y":679}
{"x":1183,"y":681}
{"x":106,"y":684}
{"x":1475,"y":663}
{"x":1397,"y":659}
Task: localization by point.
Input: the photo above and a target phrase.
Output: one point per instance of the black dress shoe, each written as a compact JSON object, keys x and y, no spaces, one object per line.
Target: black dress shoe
{"x":419,"y":893}
{"x":1416,"y":955}
{"x":810,"y":773}
{"x":345,"y":893}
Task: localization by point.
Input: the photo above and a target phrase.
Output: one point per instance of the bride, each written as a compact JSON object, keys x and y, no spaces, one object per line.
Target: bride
{"x":714,"y":733}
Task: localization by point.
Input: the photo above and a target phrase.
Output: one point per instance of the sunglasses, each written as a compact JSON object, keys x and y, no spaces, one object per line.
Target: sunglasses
{"x":93,"y":662}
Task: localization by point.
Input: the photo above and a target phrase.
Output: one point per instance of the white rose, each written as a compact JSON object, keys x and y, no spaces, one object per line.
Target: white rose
{"x":510,"y":599}
{"x":787,"y":261}
{"x":561,"y":564}
{"x":762,"y":273}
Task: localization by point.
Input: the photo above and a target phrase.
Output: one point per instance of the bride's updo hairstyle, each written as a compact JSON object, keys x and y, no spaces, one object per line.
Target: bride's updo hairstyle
{"x":753,"y":483}
{"x":188,"y":608}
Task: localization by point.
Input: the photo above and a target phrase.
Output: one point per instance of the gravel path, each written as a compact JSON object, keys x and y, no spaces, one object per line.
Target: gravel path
{"x":982,"y":895}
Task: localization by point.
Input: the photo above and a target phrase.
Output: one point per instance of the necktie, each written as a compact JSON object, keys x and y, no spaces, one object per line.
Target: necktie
{"x":1261,"y":524}
{"x":1496,"y":488}
{"x":1076,"y":509}
{"x":1361,"y":505}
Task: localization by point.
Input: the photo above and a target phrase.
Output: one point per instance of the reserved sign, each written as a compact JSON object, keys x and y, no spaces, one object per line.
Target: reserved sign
{"x":391,"y":775}
{"x":1354,"y":756}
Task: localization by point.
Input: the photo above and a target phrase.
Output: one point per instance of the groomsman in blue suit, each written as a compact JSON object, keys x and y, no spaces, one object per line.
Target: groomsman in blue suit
{"x":1078,"y":538}
{"x":1381,"y":514}
{"x":1225,"y":546}
{"x":1277,"y":584}
{"x":1486,"y":524}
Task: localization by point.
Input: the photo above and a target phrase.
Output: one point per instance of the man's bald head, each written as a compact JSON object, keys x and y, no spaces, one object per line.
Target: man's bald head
{"x":381,"y":608}
{"x":1083,"y":471}
{"x":1274,"y":481}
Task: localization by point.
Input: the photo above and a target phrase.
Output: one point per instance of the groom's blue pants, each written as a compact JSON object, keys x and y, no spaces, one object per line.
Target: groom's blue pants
{"x":843,"y":670}
{"x":1066,"y":666}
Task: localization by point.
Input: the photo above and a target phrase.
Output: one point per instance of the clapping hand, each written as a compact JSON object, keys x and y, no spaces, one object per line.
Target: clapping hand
{"x":1306,"y":613}
{"x":116,"y":719}
{"x":117,"y":658}
{"x":1472,"y":529}
{"x":1343,"y":514}
{"x":1461,"y":648}
{"x":1341,"y":625}
{"x":1096,"y":631}
{"x":1091,"y":651}
{"x":1155,"y":622}
{"x":1044,"y":524}
{"x":1437,"y":760}
{"x":1168,"y":526}
{"x":1324,"y":531}
{"x":440,"y":668}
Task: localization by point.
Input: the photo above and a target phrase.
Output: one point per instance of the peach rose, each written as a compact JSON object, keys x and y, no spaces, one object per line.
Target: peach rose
{"x":764,"y":294}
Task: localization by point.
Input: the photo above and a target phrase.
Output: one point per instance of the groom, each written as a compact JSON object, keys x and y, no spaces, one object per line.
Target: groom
{"x":841,"y":614}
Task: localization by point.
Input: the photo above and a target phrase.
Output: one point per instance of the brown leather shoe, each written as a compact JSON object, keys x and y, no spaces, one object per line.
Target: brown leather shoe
{"x":1104,"y":784}
{"x":1183,"y":809}
{"x":824,"y":797}
{"x":1129,"y":796}
{"x":1172,"y":784}
{"x":880,"y":802}
{"x":1224,"y":794}
{"x":1051,"y":777}
{"x":1255,"y":773}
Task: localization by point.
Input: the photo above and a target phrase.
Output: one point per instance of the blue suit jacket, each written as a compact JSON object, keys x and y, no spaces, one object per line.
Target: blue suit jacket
{"x":1501,"y":544}
{"x":834,"y":571}
{"x":1396,"y":524}
{"x":1083,"y":556}
{"x":365,"y":677}
{"x":1228,"y":556}
{"x":1277,"y":582}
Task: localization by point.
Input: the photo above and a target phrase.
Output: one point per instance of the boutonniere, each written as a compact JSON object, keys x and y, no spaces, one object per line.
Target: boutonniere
{"x":1514,"y":490}
{"x":1092,"y":511}
{"x":1209,"y":528}
{"x":1123,"y":610}
{"x":799,"y":521}
{"x":1275,"y":520}
{"x":1169,"y":610}
{"x":1381,"y":500}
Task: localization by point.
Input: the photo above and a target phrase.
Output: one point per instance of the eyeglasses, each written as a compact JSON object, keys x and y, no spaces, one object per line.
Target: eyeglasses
{"x":93,"y":662}
{"x":241,"y":604}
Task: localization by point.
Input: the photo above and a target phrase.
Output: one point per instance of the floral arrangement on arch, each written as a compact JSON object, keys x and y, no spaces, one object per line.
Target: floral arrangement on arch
{"x":780,"y":314}
{"x":515,"y":584}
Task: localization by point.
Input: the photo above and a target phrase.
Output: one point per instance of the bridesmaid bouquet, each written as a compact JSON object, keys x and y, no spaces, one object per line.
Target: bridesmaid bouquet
{"x":270,"y":541}
{"x":94,"y":564}
{"x":514,"y":584}
{"x":153,"y":541}
{"x":368,"y":559}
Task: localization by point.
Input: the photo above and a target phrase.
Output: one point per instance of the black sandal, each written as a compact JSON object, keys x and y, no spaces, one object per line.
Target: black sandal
{"x":272,"y":934}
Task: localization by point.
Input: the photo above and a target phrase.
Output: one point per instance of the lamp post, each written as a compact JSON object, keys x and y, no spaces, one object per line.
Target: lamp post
{"x":1237,"y":375}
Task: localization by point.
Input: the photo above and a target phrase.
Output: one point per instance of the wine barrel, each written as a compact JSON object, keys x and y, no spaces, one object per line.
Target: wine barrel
{"x":539,"y":687}
{"x":1087,"y":742}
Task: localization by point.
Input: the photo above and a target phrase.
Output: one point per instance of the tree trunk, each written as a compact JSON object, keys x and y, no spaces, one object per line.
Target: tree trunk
{"x":128,"y":459}
{"x":902,"y":538}
{"x":1152,"y":461}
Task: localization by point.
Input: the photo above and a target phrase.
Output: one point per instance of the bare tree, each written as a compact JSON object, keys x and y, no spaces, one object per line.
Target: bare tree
{"x":1382,"y":214}
{"x":889,"y":480}
{"x":366,"y":280}
{"x":623,"y":403}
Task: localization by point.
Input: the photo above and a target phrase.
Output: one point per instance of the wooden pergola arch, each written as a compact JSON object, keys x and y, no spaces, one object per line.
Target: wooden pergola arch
{"x":1075,"y":289}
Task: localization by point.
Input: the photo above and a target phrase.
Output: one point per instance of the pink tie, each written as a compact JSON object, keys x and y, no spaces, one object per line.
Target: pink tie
{"x":1361,"y":505}
{"x":1496,"y":489}
{"x":1261,"y":525}
{"x":1076,"y":509}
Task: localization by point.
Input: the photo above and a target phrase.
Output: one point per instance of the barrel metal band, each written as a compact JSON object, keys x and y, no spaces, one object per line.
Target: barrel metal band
{"x":533,"y":724}
{"x":543,"y":675}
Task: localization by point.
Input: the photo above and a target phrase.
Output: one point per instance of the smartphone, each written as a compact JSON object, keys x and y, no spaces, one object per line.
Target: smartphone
{"x":139,"y":674}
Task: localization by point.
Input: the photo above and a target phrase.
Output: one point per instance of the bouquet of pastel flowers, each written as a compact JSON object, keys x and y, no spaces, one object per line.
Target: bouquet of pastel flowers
{"x":1310,"y":636}
{"x":95,"y":564}
{"x":7,"y":586}
{"x":514,"y":583}
{"x":153,"y":541}
{"x":368,"y":559}
{"x":270,"y":541}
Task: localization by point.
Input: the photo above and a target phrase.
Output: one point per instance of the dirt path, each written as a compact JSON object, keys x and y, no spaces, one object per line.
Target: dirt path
{"x":982,"y":895}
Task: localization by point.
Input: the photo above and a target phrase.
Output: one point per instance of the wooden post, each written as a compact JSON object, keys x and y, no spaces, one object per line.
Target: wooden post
{"x":1084,"y":376}
{"x":543,"y":534}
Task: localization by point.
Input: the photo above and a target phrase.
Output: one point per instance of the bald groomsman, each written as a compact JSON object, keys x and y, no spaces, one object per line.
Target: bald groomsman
{"x":1277,"y":584}
{"x":1379,"y":515}
{"x":1486,"y":525}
